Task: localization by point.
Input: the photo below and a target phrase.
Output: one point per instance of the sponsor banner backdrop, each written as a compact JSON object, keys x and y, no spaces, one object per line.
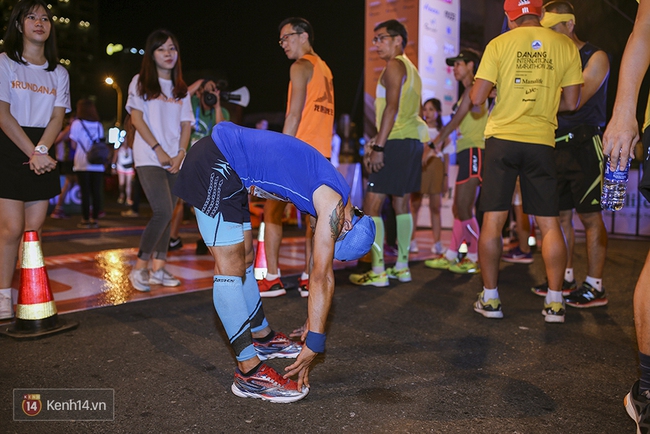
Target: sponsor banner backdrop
{"x":438,"y":36}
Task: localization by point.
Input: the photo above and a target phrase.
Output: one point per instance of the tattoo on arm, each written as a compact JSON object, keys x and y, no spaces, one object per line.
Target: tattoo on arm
{"x":336,"y":219}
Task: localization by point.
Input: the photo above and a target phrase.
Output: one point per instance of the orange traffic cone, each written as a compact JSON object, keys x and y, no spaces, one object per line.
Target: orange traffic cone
{"x":260,"y":269}
{"x":36,"y":314}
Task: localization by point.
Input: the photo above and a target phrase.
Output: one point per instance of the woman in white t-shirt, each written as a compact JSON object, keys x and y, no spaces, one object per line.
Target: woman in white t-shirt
{"x":161,"y":112}
{"x":34,"y":97}
{"x":435,"y":167}
{"x":84,"y":131}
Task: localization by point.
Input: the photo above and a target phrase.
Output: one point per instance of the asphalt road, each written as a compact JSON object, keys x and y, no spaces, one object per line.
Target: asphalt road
{"x":409,"y":358}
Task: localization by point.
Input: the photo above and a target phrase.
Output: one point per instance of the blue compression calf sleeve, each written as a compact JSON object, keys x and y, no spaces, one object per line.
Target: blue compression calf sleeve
{"x":254,"y":301}
{"x":230,"y":303}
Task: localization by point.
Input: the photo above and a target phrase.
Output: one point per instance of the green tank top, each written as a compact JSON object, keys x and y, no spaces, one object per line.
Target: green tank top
{"x":472,"y":129}
{"x":408,"y":124}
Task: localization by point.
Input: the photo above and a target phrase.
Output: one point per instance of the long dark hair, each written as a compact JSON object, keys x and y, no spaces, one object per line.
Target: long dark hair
{"x":87,"y":111}
{"x":14,"y":37}
{"x":148,"y":85}
{"x":436,"y":105}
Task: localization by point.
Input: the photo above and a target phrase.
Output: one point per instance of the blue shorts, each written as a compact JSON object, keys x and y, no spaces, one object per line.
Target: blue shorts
{"x":217,"y":232}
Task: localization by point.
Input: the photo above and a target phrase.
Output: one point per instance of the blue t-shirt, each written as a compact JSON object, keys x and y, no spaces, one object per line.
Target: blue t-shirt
{"x":287,"y":168}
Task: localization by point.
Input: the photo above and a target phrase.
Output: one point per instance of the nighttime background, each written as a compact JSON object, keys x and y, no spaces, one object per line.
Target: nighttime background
{"x":237,"y":40}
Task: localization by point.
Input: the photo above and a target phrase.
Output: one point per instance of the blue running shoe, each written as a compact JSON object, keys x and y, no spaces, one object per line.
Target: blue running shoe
{"x":280,"y":347}
{"x":267,"y":384}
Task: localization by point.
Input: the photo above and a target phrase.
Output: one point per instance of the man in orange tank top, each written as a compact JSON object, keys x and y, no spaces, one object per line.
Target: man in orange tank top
{"x":309,"y":117}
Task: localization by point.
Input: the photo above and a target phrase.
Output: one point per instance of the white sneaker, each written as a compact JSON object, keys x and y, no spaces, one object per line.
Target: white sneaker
{"x":413,"y":247}
{"x":6,"y":306}
{"x":163,"y":277}
{"x":140,"y":279}
{"x":438,"y":249}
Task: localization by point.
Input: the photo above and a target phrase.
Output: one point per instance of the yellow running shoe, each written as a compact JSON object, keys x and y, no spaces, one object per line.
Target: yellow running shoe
{"x":369,"y":278}
{"x":441,"y":263}
{"x":466,"y":266}
{"x":403,"y":275}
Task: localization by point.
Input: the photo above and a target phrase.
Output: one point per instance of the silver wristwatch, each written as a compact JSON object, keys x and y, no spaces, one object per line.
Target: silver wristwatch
{"x":41,"y":149}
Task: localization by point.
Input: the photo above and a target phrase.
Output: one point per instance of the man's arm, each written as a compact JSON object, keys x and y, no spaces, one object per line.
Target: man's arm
{"x":480,"y":91}
{"x":595,"y":75}
{"x":622,"y":132}
{"x":330,"y":209}
{"x":570,"y":98}
{"x":392,"y":80}
{"x":301,"y":72}
{"x":464,"y":108}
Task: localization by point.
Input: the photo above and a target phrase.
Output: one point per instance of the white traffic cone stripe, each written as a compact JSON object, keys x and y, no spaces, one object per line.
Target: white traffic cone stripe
{"x":36,"y":311}
{"x":32,"y":256}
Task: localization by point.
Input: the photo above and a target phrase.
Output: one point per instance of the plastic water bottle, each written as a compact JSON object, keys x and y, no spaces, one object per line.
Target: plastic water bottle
{"x":614,"y":187}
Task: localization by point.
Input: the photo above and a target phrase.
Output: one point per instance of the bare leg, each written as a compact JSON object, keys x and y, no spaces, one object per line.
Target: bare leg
{"x":642,"y":308}
{"x":12,"y":224}
{"x":416,"y":202}
{"x":490,"y":247}
{"x":129,"y":188}
{"x":596,"y":237}
{"x":121,"y":184}
{"x":435,"y":203}
{"x":566,"y":221}
{"x":553,"y":251}
{"x":465,"y":199}
{"x":523,"y":228}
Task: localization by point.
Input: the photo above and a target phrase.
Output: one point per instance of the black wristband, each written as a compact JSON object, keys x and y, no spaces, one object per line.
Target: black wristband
{"x":430,"y":144}
{"x":153,"y":148}
{"x":377,"y":148}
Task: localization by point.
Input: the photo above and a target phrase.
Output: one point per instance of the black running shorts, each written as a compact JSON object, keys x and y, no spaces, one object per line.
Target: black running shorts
{"x":402,"y":171}
{"x":579,"y":162}
{"x":535,"y":166}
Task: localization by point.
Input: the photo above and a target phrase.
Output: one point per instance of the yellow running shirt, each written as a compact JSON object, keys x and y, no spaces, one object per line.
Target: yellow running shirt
{"x":408,"y":124}
{"x":529,"y":66}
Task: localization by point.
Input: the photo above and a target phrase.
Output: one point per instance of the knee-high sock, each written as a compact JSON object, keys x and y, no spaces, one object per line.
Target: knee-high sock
{"x":456,"y":236}
{"x":404,"y":233}
{"x":470,"y":234}
{"x":254,"y":301}
{"x":378,"y":246}
{"x":230,"y":303}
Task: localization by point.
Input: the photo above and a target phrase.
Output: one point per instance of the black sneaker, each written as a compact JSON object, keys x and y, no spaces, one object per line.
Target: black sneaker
{"x":586,"y":296}
{"x":567,"y":288}
{"x":175,"y":244}
{"x":637,"y":407}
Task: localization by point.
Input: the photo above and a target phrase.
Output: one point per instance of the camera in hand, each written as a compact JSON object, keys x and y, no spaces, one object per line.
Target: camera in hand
{"x":210,"y":99}
{"x":240,"y":96}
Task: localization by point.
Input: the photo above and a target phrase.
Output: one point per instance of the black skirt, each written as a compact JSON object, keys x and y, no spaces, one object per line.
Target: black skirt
{"x":17,"y":180}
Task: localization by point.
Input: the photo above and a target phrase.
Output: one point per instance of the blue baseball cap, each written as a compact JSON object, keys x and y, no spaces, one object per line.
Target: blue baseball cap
{"x":357,"y":241}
